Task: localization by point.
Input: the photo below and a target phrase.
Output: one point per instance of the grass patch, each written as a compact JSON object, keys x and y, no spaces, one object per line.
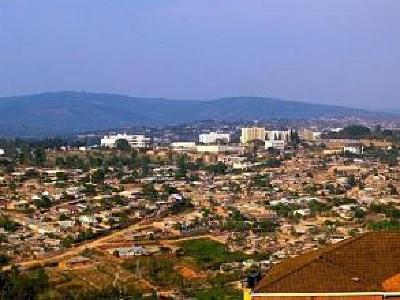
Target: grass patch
{"x":210,"y":254}
{"x":219,"y":293}
{"x":159,"y":270}
{"x":393,"y":225}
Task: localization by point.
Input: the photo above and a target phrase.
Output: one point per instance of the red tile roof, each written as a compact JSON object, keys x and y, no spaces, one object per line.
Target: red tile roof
{"x":392,"y":284}
{"x":360,"y":264}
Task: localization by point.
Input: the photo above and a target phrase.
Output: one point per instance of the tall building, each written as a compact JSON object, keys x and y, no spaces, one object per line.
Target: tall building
{"x":252,"y":133}
{"x":134,"y":140}
{"x":277,"y":139}
{"x":213,"y":137}
{"x":278,"y":135}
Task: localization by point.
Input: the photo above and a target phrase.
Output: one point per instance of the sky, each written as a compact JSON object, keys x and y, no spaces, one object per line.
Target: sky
{"x":344,"y":52}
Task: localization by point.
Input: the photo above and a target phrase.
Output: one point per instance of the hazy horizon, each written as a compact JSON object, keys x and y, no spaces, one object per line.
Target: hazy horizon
{"x":342,"y":52}
{"x":377,"y":110}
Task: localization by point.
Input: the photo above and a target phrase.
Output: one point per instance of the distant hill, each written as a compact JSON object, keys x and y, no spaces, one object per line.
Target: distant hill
{"x":73,"y":112}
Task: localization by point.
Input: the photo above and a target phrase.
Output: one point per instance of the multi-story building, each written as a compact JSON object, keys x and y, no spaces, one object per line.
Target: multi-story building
{"x":275,"y":144}
{"x":277,"y":139}
{"x":219,"y":148}
{"x":278,"y":135}
{"x":309,"y":135}
{"x":213,"y":137}
{"x":183,"y":146}
{"x":252,"y":133}
{"x":135,"y":140}
{"x":354,"y":148}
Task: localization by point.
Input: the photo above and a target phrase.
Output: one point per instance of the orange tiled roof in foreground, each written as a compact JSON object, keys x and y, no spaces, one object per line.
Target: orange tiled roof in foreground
{"x":392,"y":284}
{"x":367,"y":263}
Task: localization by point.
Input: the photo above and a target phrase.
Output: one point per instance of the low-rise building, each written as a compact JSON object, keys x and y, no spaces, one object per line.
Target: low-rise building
{"x":213,"y":137}
{"x":135,"y":141}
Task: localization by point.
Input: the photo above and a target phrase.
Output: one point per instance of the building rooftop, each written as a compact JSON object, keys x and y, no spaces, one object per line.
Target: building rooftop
{"x":363,"y":263}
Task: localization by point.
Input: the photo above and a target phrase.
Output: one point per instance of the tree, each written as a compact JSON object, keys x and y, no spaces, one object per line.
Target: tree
{"x":182,"y":166}
{"x":4,"y":259}
{"x":294,"y":138}
{"x":359,"y":213}
{"x":31,"y":173}
{"x":68,"y":241}
{"x":39,"y":156}
{"x":273,"y":163}
{"x":60,"y":161}
{"x":8,"y":224}
{"x":98,"y":176}
{"x":74,"y":162}
{"x":63,"y":217}
{"x":218,"y":169}
{"x":356,"y":130}
{"x":144,"y":163}
{"x":392,"y":189}
{"x":150,"y":192}
{"x":42,"y":202}
{"x":61,"y":176}
{"x":27,"y":285}
{"x":170,"y":190}
{"x":122,"y":145}
{"x":351,"y":180}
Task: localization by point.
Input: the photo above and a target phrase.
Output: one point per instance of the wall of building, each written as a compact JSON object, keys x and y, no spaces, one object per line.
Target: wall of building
{"x":212,"y":137}
{"x":252,"y":133}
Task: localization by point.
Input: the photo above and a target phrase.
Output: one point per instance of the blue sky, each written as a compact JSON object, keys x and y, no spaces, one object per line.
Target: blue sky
{"x":343,"y":52}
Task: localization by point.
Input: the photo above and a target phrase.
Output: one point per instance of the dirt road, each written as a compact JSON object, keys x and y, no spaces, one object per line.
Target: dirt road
{"x":73,"y":251}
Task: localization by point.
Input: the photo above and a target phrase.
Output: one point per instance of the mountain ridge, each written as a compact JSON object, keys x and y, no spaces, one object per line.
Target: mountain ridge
{"x":70,"y":112}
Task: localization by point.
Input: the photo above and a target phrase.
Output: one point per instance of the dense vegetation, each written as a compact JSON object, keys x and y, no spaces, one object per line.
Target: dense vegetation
{"x":8,"y":224}
{"x":362,"y":132}
{"x":385,"y":225}
{"x":23,"y":285}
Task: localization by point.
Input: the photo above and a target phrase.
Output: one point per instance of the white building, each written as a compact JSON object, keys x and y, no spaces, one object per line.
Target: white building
{"x":252,"y":133}
{"x":354,"y":149}
{"x":2,"y":152}
{"x":219,"y":148}
{"x":277,"y":139}
{"x":278,"y":135}
{"x":275,"y":144}
{"x":183,"y":146}
{"x":213,"y":137}
{"x":135,"y":141}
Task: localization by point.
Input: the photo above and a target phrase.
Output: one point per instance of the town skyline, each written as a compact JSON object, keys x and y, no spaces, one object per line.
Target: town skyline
{"x":200,"y":149}
{"x":203,"y":210}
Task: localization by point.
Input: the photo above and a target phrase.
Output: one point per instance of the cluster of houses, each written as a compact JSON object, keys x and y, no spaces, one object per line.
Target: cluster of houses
{"x":271,"y":205}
